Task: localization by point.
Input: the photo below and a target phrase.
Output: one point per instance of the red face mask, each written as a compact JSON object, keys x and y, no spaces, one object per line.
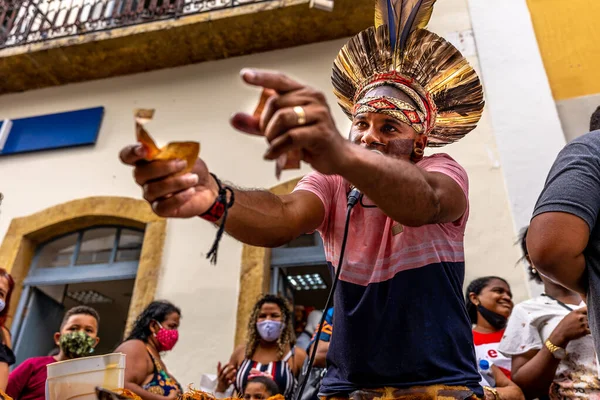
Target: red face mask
{"x":166,"y":338}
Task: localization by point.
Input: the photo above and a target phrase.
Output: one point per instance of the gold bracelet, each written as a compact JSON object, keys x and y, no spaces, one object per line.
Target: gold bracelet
{"x":551,"y":346}
{"x":557,"y":351}
{"x":492,"y":391}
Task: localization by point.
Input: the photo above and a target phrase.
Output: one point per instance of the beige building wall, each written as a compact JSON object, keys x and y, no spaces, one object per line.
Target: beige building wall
{"x":195,"y":103}
{"x":575,"y":114}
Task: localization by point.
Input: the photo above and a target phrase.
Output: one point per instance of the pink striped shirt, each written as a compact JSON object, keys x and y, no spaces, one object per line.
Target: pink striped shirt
{"x":377,"y":249}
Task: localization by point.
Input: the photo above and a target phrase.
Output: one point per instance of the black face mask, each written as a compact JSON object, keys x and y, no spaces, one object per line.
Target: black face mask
{"x":496,"y":320}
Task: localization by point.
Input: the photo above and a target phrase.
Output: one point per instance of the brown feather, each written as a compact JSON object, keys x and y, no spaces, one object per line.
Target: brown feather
{"x":381,"y":13}
{"x":436,"y":66}
{"x":415,"y":15}
{"x":423,"y":15}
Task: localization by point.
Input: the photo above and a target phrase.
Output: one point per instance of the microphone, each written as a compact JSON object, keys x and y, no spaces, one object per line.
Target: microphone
{"x":355,"y":193}
{"x":354,"y":196}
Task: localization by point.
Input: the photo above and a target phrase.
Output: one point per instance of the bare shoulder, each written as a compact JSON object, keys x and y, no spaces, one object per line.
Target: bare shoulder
{"x":138,"y":360}
{"x":132,"y":348}
{"x":300,"y":352}
{"x":298,"y":359}
{"x":238,"y":355}
{"x":138,"y":363}
{"x":7,"y":337}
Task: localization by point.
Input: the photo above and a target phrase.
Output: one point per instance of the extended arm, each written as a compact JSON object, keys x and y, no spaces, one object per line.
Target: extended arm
{"x":403,"y":191}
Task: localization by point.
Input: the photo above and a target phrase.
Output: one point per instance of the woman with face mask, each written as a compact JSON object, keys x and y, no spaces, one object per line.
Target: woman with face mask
{"x":78,"y":336}
{"x":270,"y":349}
{"x":155,"y":331}
{"x":489,"y":304}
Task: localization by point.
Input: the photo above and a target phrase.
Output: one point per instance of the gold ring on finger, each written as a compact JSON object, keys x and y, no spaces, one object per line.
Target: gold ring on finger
{"x":301,"y":114}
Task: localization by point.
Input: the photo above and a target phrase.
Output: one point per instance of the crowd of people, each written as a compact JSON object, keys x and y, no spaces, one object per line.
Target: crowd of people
{"x":515,"y":346}
{"x":540,"y":348}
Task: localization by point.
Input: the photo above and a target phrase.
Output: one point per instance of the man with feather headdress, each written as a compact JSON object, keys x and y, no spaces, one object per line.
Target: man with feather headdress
{"x":400,"y":320}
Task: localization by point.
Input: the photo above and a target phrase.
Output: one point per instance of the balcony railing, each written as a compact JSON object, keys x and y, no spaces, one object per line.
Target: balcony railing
{"x":29,"y":21}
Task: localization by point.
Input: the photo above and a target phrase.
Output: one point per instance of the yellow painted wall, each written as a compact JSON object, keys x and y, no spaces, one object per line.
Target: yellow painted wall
{"x":568,"y":33}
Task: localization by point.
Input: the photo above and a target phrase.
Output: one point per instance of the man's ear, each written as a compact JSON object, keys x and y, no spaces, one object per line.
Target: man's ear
{"x":422,"y":141}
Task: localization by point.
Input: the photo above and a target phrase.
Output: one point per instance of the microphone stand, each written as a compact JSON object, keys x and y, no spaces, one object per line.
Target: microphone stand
{"x":353,"y":198}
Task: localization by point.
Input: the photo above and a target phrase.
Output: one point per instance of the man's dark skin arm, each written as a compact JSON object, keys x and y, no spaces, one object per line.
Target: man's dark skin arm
{"x":427,"y":197}
{"x":401,"y":190}
{"x":556,"y":242}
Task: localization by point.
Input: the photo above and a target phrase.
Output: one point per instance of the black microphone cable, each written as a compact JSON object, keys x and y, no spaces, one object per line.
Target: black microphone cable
{"x":353,"y":197}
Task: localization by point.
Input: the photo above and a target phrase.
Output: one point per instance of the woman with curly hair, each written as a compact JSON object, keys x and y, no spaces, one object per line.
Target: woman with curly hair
{"x":269,"y":350}
{"x":155,"y":331}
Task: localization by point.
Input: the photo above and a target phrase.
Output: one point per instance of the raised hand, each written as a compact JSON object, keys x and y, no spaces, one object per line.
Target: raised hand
{"x":170,"y":194}
{"x":573,"y":326}
{"x":286,"y":127}
{"x":225,"y":376}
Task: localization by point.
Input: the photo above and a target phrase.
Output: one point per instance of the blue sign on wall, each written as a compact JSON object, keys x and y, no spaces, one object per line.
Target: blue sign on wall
{"x":52,"y":131}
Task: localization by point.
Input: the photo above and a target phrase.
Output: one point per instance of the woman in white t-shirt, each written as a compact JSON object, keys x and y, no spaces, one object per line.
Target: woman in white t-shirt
{"x":549,"y":340}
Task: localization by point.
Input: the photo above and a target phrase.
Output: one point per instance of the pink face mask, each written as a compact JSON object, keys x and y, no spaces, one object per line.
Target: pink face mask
{"x":166,"y":338}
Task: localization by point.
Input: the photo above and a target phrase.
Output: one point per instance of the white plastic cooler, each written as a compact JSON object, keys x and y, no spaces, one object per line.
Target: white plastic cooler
{"x":78,"y":378}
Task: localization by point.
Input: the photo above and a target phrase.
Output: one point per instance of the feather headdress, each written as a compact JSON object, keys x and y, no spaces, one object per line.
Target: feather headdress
{"x":398,"y":51}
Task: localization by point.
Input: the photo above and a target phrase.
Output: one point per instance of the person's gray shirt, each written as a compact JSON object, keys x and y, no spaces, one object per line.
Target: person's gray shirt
{"x":573,"y":186}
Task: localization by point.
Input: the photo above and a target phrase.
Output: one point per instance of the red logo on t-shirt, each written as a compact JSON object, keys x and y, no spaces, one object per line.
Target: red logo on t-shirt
{"x":493,"y":353}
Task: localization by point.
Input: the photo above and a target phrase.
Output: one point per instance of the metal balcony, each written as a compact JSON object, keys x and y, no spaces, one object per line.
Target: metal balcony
{"x":30,"y":21}
{"x":55,"y":42}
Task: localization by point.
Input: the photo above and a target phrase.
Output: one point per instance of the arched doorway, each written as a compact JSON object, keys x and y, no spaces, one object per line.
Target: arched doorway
{"x":95,"y":267}
{"x":65,"y":255}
